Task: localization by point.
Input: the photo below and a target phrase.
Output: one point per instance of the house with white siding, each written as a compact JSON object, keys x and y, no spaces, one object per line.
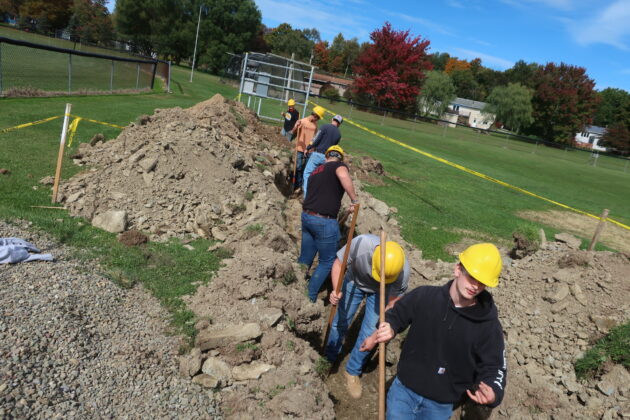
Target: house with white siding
{"x":590,"y":138}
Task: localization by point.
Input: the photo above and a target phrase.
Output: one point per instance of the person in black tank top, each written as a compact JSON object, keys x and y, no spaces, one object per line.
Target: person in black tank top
{"x":320,"y":230}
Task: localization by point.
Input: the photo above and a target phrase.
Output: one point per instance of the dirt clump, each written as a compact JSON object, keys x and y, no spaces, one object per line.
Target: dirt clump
{"x":132,"y":238}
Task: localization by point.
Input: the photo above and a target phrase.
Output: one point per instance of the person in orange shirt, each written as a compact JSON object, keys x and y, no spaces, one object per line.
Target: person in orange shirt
{"x":305,"y":130}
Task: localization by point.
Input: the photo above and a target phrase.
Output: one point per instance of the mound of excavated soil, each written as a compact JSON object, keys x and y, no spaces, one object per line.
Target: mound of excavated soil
{"x":214,"y":171}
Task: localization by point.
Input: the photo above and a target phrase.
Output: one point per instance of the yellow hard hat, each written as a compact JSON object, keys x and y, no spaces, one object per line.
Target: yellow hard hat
{"x":291,"y":102}
{"x":337,"y":149}
{"x":394,"y":262}
{"x":319,"y":111}
{"x":483,"y":263}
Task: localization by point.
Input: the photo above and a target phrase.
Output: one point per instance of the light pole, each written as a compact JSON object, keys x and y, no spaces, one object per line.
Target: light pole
{"x":195,"y":50}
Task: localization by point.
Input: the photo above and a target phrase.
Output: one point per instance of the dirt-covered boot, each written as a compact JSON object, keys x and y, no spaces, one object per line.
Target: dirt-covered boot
{"x":353,"y":384}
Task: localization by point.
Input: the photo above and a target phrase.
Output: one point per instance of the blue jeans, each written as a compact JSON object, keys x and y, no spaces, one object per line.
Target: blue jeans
{"x":319,"y":235}
{"x":299,"y":170}
{"x":350,"y":301}
{"x":404,"y":404}
{"x":288,"y":134}
{"x":314,"y":160}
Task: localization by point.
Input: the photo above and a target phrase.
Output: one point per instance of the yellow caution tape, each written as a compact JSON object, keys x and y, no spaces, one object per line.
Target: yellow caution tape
{"x":479,"y":174}
{"x":99,"y":122}
{"x":73,"y":129}
{"x":17,"y":127}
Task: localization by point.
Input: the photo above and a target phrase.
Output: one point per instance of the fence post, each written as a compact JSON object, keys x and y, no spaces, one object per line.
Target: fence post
{"x":240,"y":90}
{"x":383,"y":119}
{"x":598,"y":230}
{"x":625,"y":168}
{"x":0,"y":68}
{"x":350,"y":116}
{"x":168,"y":84}
{"x":137,"y":75}
{"x":111,"y":78}
{"x":69,"y":73}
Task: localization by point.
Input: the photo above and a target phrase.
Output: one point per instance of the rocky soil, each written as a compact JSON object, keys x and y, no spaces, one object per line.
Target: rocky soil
{"x":73,"y":345}
{"x":214,"y":171}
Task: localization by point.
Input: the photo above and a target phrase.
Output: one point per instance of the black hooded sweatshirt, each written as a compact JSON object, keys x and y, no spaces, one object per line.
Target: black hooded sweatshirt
{"x":449,"y":349}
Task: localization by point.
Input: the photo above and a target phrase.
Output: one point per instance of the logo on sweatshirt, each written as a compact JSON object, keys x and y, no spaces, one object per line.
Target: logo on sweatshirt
{"x":441,"y":371}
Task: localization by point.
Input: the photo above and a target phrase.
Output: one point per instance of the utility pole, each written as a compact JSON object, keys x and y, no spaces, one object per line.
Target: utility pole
{"x":195,"y":50}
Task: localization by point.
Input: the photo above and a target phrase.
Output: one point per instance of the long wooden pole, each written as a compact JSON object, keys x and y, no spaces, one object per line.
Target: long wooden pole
{"x":62,"y":143}
{"x":297,"y":139}
{"x":342,"y":272}
{"x":381,"y":346}
{"x":598,"y":230}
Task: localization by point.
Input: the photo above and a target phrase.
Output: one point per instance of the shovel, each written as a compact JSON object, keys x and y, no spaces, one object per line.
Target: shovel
{"x":342,"y":272}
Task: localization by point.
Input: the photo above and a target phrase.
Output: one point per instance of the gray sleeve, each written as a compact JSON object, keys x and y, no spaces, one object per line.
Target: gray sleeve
{"x":399,"y":287}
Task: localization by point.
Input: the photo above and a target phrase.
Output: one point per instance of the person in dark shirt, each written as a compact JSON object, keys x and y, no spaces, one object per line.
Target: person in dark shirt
{"x":328,"y":135}
{"x":291,"y":116}
{"x":320,"y":229}
{"x":455,"y":344}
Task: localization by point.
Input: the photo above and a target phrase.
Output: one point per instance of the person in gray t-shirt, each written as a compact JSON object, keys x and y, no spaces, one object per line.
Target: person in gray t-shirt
{"x":362,"y":281}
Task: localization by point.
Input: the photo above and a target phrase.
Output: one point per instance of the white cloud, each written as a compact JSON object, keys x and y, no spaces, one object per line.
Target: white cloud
{"x":486,"y":59}
{"x":556,"y":4}
{"x":456,"y":3}
{"x":423,"y":22}
{"x":610,"y":26}
{"x":323,"y":15}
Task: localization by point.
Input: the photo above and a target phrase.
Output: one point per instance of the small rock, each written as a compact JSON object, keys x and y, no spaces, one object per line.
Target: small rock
{"x":4,"y":171}
{"x":114,"y":221}
{"x":570,"y":240}
{"x":149,"y":163}
{"x":250,"y":371}
{"x":577,"y":293}
{"x":190,"y":364}
{"x":208,"y":339}
{"x":270,"y":316}
{"x":218,"y":234}
{"x":218,"y":369}
{"x":47,"y":180}
{"x":205,"y":380}
{"x":561,"y":292}
{"x":606,"y":388}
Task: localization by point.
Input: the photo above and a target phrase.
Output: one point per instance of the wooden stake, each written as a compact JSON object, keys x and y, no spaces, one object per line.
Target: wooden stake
{"x":62,"y":143}
{"x":381,"y":346}
{"x":48,"y":207}
{"x":342,"y":272}
{"x":297,"y":138}
{"x":598,"y":230}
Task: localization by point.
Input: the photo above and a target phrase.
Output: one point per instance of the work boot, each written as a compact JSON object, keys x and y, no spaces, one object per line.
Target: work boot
{"x":353,"y":384}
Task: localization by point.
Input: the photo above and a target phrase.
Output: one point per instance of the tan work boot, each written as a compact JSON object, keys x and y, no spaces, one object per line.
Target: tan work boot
{"x":353,"y":384}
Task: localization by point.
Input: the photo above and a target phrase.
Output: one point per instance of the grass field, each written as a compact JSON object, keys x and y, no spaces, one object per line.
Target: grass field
{"x":13,"y":33}
{"x":23,"y":67}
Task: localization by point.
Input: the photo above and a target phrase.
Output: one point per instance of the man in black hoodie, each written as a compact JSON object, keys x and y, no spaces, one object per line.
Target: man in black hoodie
{"x":454,"y":345}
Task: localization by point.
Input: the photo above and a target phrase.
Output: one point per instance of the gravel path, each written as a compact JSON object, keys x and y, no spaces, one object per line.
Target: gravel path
{"x":74,"y":345}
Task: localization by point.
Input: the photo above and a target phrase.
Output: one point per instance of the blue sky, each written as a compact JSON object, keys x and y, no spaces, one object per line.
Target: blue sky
{"x":594,"y":34}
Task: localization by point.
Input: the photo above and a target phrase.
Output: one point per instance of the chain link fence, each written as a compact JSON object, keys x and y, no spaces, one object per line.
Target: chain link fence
{"x":28,"y":69}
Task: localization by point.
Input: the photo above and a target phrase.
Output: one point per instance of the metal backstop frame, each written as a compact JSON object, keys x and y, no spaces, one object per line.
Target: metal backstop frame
{"x":270,"y":76}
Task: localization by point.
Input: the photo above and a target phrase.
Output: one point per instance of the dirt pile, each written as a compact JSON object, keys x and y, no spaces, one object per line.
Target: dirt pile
{"x":214,"y":171}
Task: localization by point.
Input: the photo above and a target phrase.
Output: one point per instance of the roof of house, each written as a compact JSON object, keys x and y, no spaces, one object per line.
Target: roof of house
{"x":593,"y":129}
{"x":319,"y":77}
{"x":468,"y":103}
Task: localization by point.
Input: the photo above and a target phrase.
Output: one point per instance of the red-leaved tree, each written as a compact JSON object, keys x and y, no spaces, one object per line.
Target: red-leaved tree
{"x":564,"y":102}
{"x":391,"y":69}
{"x":617,"y":137}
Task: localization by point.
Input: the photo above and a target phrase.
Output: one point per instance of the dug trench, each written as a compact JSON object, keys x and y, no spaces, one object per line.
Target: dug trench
{"x":215,"y":171}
